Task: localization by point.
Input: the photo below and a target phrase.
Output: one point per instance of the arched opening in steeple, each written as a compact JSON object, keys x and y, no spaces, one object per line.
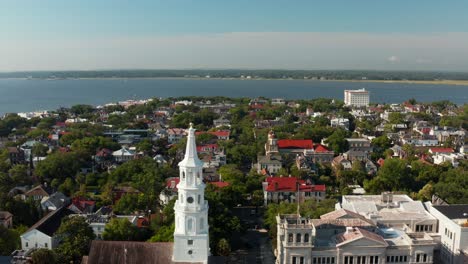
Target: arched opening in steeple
{"x":189,"y":225}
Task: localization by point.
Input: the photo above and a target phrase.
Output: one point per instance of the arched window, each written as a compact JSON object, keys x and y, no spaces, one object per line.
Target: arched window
{"x":183,"y":174}
{"x":189,"y":224}
{"x":306,"y":238}
{"x":202,"y":223}
{"x":290,"y":237}
{"x":298,"y":238}
{"x":199,"y":198}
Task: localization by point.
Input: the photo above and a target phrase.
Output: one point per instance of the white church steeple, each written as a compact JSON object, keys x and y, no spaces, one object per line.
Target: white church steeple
{"x":191,"y":240}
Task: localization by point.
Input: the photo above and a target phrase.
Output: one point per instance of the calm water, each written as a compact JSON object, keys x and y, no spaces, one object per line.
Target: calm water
{"x":18,"y":95}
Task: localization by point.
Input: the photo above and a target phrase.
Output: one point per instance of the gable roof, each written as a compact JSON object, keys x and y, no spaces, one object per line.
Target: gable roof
{"x":441,"y":150}
{"x":121,"y":252}
{"x":340,"y":214}
{"x":39,"y":190}
{"x":321,"y":148}
{"x":51,"y":222}
{"x":355,"y":233}
{"x":295,"y":144}
{"x":172,"y":182}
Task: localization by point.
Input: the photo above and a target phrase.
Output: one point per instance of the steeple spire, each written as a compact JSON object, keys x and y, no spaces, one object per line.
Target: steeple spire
{"x":191,"y":232}
{"x":191,"y":158}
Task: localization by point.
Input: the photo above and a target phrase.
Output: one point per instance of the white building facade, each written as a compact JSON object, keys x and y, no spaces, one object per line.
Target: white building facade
{"x":453,"y":231}
{"x":358,"y":98}
{"x":191,"y":240}
{"x":348,"y":239}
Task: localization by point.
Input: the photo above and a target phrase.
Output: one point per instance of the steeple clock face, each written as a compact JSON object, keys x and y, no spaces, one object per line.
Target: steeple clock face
{"x":190,"y":199}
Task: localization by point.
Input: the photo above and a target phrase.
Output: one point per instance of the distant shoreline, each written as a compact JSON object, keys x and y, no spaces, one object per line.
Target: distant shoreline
{"x":435,"y":82}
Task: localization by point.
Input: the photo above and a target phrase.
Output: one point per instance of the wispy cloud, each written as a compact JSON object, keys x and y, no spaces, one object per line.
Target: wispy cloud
{"x":307,"y":50}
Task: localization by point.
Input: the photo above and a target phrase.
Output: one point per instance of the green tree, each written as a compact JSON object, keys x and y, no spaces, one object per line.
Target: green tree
{"x":453,"y":186}
{"x":37,"y":134}
{"x":337,"y":141}
{"x":44,"y":256}
{"x":230,"y":173}
{"x":120,"y":229}
{"x":129,"y":203}
{"x":223,"y":248}
{"x":59,"y":166}
{"x":19,"y":174}
{"x":68,"y":187}
{"x":76,"y":236}
{"x":396,"y":118}
{"x":90,"y":145}
{"x":39,"y":150}
{"x":394,"y":175}
{"x":9,"y":241}
{"x":145,"y":146}
{"x":82,"y":109}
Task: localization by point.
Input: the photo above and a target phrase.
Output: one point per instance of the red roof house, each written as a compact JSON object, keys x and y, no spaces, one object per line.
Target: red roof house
{"x":220,"y":184}
{"x":221,"y":134}
{"x":279,"y":189}
{"x":294,"y":144}
{"x":440,"y":150}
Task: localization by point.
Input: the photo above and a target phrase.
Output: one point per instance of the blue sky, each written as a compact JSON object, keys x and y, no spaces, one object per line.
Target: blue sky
{"x":111,"y":34}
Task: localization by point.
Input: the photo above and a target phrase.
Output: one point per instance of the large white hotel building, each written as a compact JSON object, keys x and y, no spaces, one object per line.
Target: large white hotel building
{"x":358,"y":98}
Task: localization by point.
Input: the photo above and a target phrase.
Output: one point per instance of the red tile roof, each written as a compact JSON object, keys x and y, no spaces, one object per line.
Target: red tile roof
{"x":381,"y":162}
{"x":142,"y":222}
{"x":104,"y":152}
{"x":321,"y":148}
{"x":295,"y":144}
{"x":441,"y":150}
{"x":425,"y":130}
{"x":221,"y":133}
{"x":61,"y":124}
{"x":289,"y":184}
{"x":171,"y":183}
{"x":220,"y":184}
{"x":82,"y":203}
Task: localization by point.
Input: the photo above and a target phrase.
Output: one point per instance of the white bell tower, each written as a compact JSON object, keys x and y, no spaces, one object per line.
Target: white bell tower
{"x":191,"y":240}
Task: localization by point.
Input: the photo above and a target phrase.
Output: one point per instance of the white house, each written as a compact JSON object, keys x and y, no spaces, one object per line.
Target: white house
{"x":123,"y":154}
{"x":42,"y":233}
{"x":453,"y":231}
{"x":340,"y":123}
{"x":452,"y":158}
{"x":174,"y":135}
